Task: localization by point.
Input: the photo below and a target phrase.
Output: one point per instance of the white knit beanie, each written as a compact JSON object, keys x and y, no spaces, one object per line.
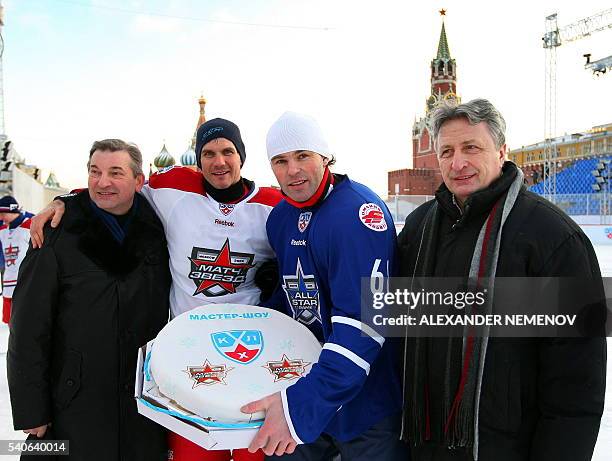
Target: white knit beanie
{"x":293,"y":131}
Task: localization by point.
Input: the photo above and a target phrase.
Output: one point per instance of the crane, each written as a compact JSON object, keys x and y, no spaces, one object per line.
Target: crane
{"x":598,"y":67}
{"x":552,"y":39}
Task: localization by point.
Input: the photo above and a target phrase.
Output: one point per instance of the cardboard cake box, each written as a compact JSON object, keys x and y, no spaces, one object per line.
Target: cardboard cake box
{"x":160,"y":409}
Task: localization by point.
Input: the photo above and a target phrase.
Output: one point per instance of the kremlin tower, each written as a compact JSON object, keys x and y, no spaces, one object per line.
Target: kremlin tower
{"x":424,"y":178}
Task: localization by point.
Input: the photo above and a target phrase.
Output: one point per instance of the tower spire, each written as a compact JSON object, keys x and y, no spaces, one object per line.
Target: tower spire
{"x":443,"y":72}
{"x":201,"y":119}
{"x":443,"y":51}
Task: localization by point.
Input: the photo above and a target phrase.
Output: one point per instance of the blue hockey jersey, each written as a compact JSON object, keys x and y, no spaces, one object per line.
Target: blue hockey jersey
{"x":323,"y":253}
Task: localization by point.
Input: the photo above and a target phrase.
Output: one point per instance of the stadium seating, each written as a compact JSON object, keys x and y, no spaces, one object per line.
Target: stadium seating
{"x":573,"y":180}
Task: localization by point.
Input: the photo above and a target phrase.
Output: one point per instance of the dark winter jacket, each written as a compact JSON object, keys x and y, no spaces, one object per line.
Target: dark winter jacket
{"x":83,"y":306}
{"x":541,"y":399}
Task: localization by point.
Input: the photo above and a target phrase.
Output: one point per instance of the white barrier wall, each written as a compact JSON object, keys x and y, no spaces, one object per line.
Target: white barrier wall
{"x":599,"y":234}
{"x":30,"y":194}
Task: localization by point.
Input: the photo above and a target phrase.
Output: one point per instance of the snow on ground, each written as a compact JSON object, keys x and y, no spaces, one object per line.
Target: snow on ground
{"x":603,"y":449}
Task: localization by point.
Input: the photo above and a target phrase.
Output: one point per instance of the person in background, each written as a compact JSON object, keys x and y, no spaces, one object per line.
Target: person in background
{"x":27,"y":214}
{"x":14,"y":241}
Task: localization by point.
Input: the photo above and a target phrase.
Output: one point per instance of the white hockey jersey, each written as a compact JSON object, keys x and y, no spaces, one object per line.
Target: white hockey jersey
{"x":215,"y":248}
{"x":14,"y":246}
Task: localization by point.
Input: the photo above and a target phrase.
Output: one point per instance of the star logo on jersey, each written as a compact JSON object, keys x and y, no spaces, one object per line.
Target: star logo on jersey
{"x":208,"y":374}
{"x":11,"y":254}
{"x":287,"y":369}
{"x":226,"y":208}
{"x":242,"y":346}
{"x":304,"y":220}
{"x":219,"y":272}
{"x":303,"y":296}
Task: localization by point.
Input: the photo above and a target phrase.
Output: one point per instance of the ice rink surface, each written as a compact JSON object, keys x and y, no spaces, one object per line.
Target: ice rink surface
{"x":603,"y":449}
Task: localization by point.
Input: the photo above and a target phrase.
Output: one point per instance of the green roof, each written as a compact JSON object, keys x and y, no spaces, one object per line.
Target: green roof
{"x":443,"y":51}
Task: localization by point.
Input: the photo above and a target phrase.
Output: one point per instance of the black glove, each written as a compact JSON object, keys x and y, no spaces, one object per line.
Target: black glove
{"x":266,"y":279}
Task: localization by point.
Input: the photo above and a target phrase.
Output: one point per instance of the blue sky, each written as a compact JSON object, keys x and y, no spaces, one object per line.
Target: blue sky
{"x":76,"y":71}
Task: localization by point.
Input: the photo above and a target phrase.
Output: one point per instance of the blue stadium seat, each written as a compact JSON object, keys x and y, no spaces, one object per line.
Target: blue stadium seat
{"x":575,"y":179}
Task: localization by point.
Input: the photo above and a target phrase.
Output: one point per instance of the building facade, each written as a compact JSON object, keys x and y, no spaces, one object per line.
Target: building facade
{"x":596,"y":142}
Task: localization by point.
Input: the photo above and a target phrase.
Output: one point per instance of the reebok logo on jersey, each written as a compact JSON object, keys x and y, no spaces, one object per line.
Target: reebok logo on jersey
{"x":303,"y":296}
{"x":218,"y":272}
{"x":298,"y":243}
{"x":372,"y":216}
{"x":222,"y":222}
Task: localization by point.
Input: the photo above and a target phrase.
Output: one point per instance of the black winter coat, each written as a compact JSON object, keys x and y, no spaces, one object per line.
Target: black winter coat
{"x":541,"y":399}
{"x":83,"y":306}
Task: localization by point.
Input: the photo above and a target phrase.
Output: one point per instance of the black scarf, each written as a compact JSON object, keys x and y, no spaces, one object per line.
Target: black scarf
{"x":233,"y":194}
{"x":117,"y":225}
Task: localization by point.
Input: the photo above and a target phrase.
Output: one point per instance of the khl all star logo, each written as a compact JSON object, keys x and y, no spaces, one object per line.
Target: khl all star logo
{"x":207,"y":374}
{"x":218,"y":272}
{"x":286,"y":368}
{"x":303,"y":296}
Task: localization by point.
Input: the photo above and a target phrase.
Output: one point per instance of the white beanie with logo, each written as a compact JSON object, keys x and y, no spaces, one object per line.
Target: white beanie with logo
{"x":294,"y":131}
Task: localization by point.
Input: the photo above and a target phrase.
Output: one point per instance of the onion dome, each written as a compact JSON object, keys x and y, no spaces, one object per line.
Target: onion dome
{"x":188,"y":158}
{"x":163,"y":159}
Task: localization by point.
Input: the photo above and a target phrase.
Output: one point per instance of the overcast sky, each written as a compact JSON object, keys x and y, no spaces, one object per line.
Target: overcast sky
{"x":77,"y":71}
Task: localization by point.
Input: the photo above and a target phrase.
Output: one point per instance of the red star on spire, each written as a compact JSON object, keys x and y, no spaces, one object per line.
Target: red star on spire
{"x":442,"y":12}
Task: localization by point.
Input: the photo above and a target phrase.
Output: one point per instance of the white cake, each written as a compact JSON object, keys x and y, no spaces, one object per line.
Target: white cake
{"x":216,"y":358}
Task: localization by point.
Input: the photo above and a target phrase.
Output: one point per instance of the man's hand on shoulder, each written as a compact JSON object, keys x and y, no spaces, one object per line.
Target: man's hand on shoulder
{"x":53,"y":212}
{"x":274,"y":437}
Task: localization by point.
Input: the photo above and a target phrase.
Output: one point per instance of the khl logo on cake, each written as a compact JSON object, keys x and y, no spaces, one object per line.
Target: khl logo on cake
{"x":242,"y":346}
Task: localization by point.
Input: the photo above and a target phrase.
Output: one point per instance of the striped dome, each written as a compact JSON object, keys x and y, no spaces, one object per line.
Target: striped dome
{"x":188,"y":158}
{"x":164,"y":159}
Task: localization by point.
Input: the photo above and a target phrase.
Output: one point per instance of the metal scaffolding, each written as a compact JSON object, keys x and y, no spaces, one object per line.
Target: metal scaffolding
{"x":552,"y":39}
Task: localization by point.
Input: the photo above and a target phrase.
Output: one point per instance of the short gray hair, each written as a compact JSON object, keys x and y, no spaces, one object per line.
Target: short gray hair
{"x":114,"y":145}
{"x":475,"y":111}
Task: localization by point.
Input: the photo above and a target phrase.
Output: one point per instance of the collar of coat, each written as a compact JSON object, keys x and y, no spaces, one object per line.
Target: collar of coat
{"x":480,"y":202}
{"x":144,"y":238}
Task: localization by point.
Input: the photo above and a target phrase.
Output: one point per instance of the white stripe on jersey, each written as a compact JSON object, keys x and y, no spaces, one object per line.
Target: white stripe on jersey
{"x":360,"y":326}
{"x":349,"y":355}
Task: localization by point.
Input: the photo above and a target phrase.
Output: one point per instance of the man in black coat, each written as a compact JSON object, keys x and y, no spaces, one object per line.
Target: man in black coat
{"x":95,"y":292}
{"x":494,"y":398}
